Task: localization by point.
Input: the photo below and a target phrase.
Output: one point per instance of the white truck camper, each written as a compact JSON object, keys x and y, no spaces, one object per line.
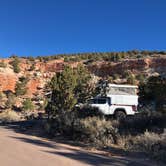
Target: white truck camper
{"x":120,"y":100}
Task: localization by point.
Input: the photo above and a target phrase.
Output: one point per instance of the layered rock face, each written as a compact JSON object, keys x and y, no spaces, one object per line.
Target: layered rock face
{"x":7,"y":82}
{"x":42,"y":72}
{"x":145,"y":66}
{"x":7,"y":79}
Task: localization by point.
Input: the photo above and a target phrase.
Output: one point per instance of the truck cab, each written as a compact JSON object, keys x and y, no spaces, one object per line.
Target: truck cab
{"x":102,"y":103}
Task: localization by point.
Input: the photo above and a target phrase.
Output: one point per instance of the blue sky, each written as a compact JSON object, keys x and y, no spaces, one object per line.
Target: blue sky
{"x":46,"y":27}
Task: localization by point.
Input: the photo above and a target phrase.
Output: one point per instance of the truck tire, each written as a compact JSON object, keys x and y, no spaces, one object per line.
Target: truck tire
{"x":120,"y":115}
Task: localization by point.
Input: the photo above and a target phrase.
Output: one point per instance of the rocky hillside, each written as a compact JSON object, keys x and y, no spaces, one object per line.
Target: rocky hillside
{"x":147,"y":66}
{"x":38,"y":75}
{"x":39,"y":72}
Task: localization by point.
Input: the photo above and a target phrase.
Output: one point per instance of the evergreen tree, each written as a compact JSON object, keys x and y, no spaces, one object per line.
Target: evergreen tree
{"x":68,"y":88}
{"x":154,"y":90}
{"x":15,"y":63}
{"x":62,"y":98}
{"x":83,"y":89}
{"x":21,"y":88}
{"x":27,"y":105}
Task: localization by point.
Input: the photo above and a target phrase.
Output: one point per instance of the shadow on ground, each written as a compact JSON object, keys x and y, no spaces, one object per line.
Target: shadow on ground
{"x":34,"y":128}
{"x":82,"y":156}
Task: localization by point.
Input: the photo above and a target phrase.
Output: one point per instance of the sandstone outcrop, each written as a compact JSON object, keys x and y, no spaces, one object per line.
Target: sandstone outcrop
{"x":43,"y":71}
{"x":137,"y":66}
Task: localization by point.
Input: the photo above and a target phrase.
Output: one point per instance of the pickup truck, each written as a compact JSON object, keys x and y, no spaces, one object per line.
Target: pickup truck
{"x":119,"y":100}
{"x":117,"y":105}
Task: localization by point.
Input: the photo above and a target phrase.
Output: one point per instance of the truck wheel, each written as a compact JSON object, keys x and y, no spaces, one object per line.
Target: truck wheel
{"x":120,"y":115}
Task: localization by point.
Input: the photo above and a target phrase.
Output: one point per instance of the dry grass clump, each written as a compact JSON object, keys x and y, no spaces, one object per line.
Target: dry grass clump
{"x":9,"y":116}
{"x":138,"y":124}
{"x":150,"y":143}
{"x":94,"y":130}
{"x":98,"y":131}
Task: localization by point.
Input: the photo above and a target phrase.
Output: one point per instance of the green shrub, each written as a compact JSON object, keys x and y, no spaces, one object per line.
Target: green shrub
{"x":31,"y":58}
{"x":131,"y":79}
{"x":97,"y":131}
{"x":93,"y":130}
{"x":3,"y":64}
{"x":15,"y":63}
{"x":11,"y":99}
{"x":138,"y":124}
{"x":27,"y":105}
{"x":154,"y":89}
{"x":20,"y":88}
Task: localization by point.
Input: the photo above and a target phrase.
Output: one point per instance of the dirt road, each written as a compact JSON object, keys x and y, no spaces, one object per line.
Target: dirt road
{"x":24,"y":150}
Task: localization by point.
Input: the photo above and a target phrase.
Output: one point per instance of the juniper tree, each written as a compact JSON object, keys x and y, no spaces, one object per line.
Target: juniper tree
{"x":68,"y":88}
{"x":83,"y":89}
{"x":62,"y":86}
{"x":15,"y":63}
{"x":154,"y":89}
{"x":27,"y":105}
{"x":21,"y":88}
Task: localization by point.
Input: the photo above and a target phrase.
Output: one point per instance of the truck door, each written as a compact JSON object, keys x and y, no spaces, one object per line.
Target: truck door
{"x":102,"y":104}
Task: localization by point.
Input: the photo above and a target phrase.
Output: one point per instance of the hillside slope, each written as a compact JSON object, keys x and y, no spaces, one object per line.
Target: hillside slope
{"x":40,"y":72}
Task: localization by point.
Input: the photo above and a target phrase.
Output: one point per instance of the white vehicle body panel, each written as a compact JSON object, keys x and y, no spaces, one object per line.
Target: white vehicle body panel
{"x":110,"y":110}
{"x":117,"y":102}
{"x":124,"y":99}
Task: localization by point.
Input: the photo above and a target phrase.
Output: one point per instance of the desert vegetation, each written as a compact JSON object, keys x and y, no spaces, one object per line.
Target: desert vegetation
{"x":106,"y":56}
{"x":21,"y":88}
{"x":144,"y":132}
{"x":15,"y":63}
{"x":3,"y":64}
